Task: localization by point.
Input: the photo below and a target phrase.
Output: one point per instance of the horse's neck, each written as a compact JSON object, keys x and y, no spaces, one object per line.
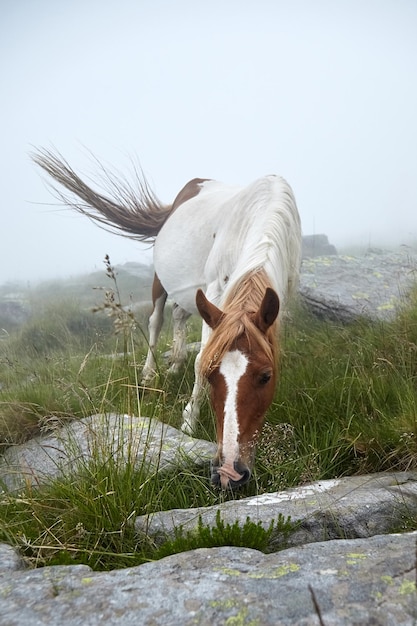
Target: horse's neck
{"x":261,"y":232}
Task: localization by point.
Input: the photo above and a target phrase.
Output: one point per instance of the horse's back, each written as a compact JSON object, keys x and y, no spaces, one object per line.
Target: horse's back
{"x":224,"y":231}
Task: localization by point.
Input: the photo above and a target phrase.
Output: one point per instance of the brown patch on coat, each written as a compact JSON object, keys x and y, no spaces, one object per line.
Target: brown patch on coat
{"x":190,"y":190}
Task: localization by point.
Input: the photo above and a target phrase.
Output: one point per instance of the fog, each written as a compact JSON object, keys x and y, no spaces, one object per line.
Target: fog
{"x":323,"y":92}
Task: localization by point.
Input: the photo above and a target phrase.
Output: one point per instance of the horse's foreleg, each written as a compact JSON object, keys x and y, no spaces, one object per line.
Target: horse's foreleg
{"x":191,"y":412}
{"x":159,"y":296}
{"x":179,"y":348}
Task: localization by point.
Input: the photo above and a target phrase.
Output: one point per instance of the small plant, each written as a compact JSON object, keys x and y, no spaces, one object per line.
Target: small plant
{"x":250,"y":535}
{"x":123,"y":319}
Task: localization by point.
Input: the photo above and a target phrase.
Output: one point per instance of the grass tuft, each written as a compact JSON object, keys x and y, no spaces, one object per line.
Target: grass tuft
{"x":250,"y":535}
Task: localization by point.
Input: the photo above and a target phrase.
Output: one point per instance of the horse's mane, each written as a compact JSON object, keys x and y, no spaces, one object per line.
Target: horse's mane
{"x":242,"y":303}
{"x":262,"y":229}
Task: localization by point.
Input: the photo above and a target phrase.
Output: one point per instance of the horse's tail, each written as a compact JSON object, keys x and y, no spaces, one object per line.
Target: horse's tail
{"x":134,"y":212}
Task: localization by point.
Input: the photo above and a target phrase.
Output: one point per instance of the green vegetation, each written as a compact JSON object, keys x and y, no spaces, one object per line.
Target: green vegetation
{"x":250,"y":535}
{"x":91,"y":520}
{"x":346,"y":403}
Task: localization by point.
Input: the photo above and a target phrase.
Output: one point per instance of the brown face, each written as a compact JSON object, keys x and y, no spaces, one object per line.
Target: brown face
{"x":242,"y":389}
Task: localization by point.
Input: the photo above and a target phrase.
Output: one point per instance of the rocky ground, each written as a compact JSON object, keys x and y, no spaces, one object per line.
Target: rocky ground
{"x":342,"y":561}
{"x":343,"y":564}
{"x":343,"y":287}
{"x":346,"y":582}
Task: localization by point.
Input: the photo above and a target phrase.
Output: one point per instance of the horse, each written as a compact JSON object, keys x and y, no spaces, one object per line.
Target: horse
{"x":231,"y":254}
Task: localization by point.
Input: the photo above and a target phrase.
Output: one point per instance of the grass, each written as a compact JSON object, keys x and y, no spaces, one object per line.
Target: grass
{"x":346,"y":403}
{"x":357,"y":404}
{"x":250,"y":535}
{"x":92,"y":521}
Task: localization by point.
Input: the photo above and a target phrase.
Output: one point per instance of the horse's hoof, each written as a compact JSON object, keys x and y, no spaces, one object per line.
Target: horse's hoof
{"x":148,"y":379}
{"x":187,"y":428}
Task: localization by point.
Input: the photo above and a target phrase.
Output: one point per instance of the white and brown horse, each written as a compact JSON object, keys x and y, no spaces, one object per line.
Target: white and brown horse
{"x":233,"y":255}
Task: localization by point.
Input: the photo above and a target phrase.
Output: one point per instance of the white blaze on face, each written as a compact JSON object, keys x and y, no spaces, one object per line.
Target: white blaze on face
{"x":232,"y":367}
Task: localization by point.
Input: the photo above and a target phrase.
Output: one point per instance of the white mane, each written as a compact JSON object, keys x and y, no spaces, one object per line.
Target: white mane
{"x":261,"y":230}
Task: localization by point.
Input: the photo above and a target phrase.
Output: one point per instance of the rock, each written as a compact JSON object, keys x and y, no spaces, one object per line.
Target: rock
{"x":351,"y":507}
{"x":10,"y":559}
{"x":192,"y":348}
{"x":144,"y":271}
{"x":360,"y":581}
{"x":317,"y":245}
{"x":13,"y":312}
{"x":343,"y":288}
{"x":127,"y":438}
{"x":356,"y":576}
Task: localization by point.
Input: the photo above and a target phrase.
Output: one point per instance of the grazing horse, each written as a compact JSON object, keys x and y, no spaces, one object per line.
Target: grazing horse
{"x":231,"y":254}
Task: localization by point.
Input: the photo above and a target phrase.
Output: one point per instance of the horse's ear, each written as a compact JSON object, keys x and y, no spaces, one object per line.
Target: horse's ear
{"x":208,"y":311}
{"x":268,"y":311}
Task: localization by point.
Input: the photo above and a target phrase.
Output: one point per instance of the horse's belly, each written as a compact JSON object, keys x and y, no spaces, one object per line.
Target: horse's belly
{"x":180,"y":268}
{"x":180,"y":254}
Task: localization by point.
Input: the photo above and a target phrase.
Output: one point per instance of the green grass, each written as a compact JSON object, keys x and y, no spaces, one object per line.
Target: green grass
{"x":250,"y":535}
{"x":346,"y":403}
{"x":91,"y":521}
{"x":350,"y":392}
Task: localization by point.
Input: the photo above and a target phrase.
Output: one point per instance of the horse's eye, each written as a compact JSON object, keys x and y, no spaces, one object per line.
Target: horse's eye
{"x":264,"y":378}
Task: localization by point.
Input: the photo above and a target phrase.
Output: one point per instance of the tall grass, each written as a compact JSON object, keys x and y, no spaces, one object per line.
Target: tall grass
{"x":345,"y":403}
{"x":349,"y":393}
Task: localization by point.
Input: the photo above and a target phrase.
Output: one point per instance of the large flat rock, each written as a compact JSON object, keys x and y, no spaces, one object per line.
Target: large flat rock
{"x":361,"y":581}
{"x":350,"y":507}
{"x":344,"y":287}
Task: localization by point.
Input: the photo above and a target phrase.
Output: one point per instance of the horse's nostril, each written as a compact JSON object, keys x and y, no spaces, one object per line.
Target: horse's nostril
{"x":246,"y":474}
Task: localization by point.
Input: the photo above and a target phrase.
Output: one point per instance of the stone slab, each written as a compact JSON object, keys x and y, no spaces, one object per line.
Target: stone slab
{"x":360,"y":581}
{"x":350,"y":507}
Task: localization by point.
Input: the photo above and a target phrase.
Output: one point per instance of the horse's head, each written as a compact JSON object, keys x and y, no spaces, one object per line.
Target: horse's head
{"x":242,"y":376}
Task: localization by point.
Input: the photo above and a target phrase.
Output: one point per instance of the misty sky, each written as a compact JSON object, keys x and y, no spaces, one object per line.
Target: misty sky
{"x":323,"y":92}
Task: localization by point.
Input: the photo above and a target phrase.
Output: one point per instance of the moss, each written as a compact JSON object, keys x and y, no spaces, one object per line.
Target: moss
{"x":278,"y":572}
{"x":241,"y":619}
{"x":387,"y":580}
{"x":352,"y":558}
{"x":407,"y":587}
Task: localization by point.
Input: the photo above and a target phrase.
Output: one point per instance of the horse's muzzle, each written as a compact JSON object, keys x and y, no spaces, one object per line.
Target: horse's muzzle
{"x":230,"y":477}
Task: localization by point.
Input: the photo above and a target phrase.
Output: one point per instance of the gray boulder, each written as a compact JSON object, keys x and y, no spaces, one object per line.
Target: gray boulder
{"x":343,"y":288}
{"x":350,"y":507}
{"x":10,"y":559}
{"x":124,"y":438}
{"x":343,"y":582}
{"x":317,"y":245}
{"x":13,"y":312}
{"x":343,"y":565}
